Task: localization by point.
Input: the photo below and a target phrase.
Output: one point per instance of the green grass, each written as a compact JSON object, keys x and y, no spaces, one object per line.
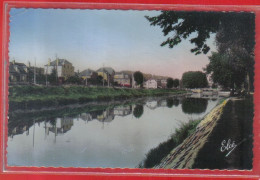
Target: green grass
{"x":154,"y":156}
{"x":31,"y":96}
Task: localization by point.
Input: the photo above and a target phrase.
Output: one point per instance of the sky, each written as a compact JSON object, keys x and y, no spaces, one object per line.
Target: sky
{"x":121,"y":39}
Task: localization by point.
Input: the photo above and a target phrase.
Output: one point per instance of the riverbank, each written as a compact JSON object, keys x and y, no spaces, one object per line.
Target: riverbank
{"x":184,"y":143}
{"x":183,"y":156}
{"x":236,"y":127}
{"x":27,"y":97}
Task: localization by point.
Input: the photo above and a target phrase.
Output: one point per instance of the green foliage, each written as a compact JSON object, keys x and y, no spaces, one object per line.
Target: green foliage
{"x":138,"y":110}
{"x":194,"y":105}
{"x":52,"y":78}
{"x":41,"y":96}
{"x":232,"y":26}
{"x":194,"y":79}
{"x":235,"y":40}
{"x":74,"y":80}
{"x":154,"y":156}
{"x":224,"y":72}
{"x":169,"y":83}
{"x":139,"y":77}
{"x":176,"y":83}
{"x":40,"y":79}
{"x":30,"y":76}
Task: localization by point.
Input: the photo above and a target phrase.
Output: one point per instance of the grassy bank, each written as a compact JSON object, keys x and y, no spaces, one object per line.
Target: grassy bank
{"x":32,"y":96}
{"x":154,"y":156}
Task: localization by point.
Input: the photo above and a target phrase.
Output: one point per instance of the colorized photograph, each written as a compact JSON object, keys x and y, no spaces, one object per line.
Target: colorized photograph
{"x":130,"y":89}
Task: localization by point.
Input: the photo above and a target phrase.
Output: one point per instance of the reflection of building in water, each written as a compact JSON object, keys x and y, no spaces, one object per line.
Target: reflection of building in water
{"x":19,"y":130}
{"x":106,"y":116}
{"x":60,"y":126}
{"x":122,"y":110}
{"x":152,"y":104}
{"x":86,"y":117}
{"x":162,"y":103}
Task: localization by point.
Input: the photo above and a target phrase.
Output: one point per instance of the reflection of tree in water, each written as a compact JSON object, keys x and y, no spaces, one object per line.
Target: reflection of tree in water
{"x":176,"y":102}
{"x":53,"y":121}
{"x":171,"y":102}
{"x":194,"y":105}
{"x":138,"y":111}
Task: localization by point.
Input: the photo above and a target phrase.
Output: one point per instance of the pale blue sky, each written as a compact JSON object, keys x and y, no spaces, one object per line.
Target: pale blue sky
{"x":120,"y":39}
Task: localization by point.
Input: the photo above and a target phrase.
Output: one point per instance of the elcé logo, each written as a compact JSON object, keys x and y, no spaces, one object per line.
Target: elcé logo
{"x":227,"y":146}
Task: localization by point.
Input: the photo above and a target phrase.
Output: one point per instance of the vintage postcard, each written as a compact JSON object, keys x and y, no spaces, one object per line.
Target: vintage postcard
{"x":97,"y":88}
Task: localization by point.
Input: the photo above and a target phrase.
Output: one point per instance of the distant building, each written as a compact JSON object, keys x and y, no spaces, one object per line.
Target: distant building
{"x":122,"y":79}
{"x":87,"y":75}
{"x":150,"y":84}
{"x":18,"y":72}
{"x":163,"y":83}
{"x":107,"y":73}
{"x":63,"y":66}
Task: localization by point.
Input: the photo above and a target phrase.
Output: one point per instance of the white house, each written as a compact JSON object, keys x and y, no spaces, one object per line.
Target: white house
{"x":150,"y":84}
{"x":64,"y":68}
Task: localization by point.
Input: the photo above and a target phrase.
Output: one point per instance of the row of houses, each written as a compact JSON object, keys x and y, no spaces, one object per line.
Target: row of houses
{"x":123,"y":78}
{"x":21,"y":73}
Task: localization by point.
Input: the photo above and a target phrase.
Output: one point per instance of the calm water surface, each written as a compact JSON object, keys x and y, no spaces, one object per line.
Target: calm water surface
{"x":107,"y":136}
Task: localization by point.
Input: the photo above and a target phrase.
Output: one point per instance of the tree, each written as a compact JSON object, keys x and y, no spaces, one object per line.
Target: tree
{"x":52,"y":78}
{"x":169,"y":83}
{"x":182,"y":24}
{"x":74,"y":80}
{"x":224,"y":72}
{"x":139,"y":77}
{"x":176,"y":83}
{"x":95,"y":80}
{"x":40,"y":78}
{"x":30,"y":76}
{"x":194,"y":79}
{"x":235,"y":36}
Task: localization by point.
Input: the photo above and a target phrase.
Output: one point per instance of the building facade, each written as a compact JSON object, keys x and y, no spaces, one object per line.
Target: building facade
{"x":150,"y":84}
{"x":122,"y":79}
{"x":18,"y":72}
{"x":107,"y":73}
{"x":64,"y":68}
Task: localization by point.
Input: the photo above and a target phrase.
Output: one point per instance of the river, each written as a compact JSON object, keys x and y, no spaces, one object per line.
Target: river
{"x":112,"y":135}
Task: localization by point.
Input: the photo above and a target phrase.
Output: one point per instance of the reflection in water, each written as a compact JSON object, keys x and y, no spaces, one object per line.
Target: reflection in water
{"x":194,"y":105}
{"x":138,"y":110}
{"x":122,"y":110}
{"x":58,"y":126}
{"x":169,"y":102}
{"x":96,"y":136}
